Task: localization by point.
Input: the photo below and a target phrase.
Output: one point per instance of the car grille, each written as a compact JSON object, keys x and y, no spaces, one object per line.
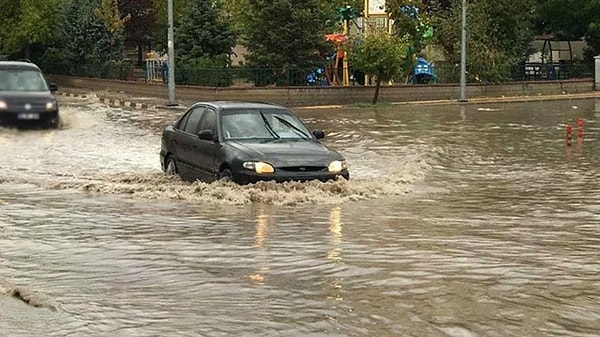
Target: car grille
{"x":303,"y":169}
{"x":20,"y":107}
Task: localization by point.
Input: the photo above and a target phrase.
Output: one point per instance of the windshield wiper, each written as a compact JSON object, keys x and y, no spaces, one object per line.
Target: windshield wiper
{"x":269,"y":127}
{"x":293,"y":127}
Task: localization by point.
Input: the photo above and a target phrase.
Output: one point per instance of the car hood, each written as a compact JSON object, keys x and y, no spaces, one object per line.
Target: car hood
{"x":26,"y":96}
{"x":283,"y":153}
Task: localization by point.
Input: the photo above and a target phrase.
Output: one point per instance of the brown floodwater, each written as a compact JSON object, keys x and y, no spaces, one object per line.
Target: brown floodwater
{"x":458,"y":221}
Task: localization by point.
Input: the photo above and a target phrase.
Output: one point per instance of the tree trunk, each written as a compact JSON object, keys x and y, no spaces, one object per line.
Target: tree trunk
{"x":377,"y":87}
{"x":27,"y":51}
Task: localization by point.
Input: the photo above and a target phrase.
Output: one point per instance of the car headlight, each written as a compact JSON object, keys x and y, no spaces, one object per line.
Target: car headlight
{"x":337,"y":166}
{"x":50,"y":105}
{"x":3,"y":105}
{"x":259,"y":167}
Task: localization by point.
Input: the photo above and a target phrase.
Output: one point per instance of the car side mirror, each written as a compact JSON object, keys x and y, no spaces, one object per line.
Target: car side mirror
{"x":53,"y":87}
{"x":206,"y":135}
{"x":319,"y":134}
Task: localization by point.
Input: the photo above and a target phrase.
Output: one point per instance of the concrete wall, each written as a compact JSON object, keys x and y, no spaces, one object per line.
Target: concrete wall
{"x":306,"y":96}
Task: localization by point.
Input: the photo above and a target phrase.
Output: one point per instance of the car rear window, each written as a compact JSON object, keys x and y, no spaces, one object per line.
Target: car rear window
{"x":15,"y":79}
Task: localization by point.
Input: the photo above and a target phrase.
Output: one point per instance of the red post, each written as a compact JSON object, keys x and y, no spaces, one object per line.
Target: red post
{"x":569,"y":130}
{"x":580,"y":128}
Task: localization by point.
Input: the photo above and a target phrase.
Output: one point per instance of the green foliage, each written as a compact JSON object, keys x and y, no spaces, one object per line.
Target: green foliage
{"x":161,"y":25}
{"x":410,"y":21}
{"x":581,"y":20}
{"x":109,"y":13}
{"x":205,"y":71}
{"x":89,"y":43}
{"x":286,"y":35}
{"x":203,"y":37}
{"x":26,"y":22}
{"x":499,"y":33}
{"x":382,"y":56}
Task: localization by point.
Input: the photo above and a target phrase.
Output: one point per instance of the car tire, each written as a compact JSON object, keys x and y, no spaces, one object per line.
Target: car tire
{"x":171,"y":166}
{"x":52,"y":123}
{"x":225,"y":175}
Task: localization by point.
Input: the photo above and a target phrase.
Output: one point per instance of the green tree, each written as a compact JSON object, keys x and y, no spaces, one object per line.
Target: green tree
{"x":88,"y":48}
{"x":161,"y":24}
{"x":286,"y":36}
{"x":412,"y":22}
{"x":26,"y":23}
{"x":203,"y":39}
{"x":570,"y":20}
{"x":499,"y":34}
{"x":108,"y":12}
{"x":382,"y":56}
{"x":140,"y":28}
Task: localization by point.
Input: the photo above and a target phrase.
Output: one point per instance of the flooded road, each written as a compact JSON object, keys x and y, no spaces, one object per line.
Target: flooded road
{"x":457,"y":222}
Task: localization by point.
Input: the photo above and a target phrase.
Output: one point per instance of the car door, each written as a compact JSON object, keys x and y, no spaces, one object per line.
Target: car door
{"x":204,"y":150}
{"x":185,"y":141}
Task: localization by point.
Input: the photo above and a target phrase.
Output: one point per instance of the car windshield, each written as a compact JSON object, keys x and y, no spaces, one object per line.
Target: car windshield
{"x":22,"y":80}
{"x":262,"y":124}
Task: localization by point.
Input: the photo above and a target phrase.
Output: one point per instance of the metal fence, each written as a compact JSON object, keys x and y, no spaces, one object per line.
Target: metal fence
{"x":264,"y":77}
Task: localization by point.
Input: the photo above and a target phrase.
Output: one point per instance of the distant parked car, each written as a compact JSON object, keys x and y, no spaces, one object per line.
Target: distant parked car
{"x":26,"y":98}
{"x":245,"y":143}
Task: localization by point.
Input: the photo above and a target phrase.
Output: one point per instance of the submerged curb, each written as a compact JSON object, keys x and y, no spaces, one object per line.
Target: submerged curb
{"x":69,"y":94}
{"x":126,"y":104}
{"x":121,"y":103}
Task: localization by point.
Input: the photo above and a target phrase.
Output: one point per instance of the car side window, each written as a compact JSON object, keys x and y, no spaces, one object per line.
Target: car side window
{"x":183,"y":120}
{"x":208,"y":121}
{"x":191,"y":126}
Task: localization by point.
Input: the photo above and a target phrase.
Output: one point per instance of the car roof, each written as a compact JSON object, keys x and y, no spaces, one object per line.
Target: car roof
{"x":227,"y":105}
{"x":18,"y":65}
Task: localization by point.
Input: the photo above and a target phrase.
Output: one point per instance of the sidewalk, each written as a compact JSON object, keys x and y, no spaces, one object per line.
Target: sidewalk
{"x":118,"y":99}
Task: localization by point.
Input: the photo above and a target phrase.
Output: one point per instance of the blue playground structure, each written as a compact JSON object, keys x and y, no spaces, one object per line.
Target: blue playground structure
{"x":423,"y":72}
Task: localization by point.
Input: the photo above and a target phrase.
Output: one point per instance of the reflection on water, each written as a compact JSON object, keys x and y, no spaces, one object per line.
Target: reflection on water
{"x":335,"y":227}
{"x":472,"y":220}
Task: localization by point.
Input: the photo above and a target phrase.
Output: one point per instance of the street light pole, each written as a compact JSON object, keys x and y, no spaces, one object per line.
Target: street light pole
{"x":463,"y":54}
{"x":171,"y":54}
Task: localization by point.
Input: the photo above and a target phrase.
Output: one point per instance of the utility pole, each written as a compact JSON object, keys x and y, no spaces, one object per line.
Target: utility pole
{"x":463,"y":54}
{"x":171,"y":54}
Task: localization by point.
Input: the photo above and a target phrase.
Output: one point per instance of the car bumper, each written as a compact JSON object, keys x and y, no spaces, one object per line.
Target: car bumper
{"x":28,"y":118}
{"x":251,"y":177}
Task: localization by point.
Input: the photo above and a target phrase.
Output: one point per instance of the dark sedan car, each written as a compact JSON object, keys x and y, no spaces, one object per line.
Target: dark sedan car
{"x":26,"y":98}
{"x":245,"y":143}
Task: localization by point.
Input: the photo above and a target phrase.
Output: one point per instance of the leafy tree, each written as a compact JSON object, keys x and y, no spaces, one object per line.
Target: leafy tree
{"x":161,"y":25}
{"x":382,"y":56}
{"x":89,"y":44}
{"x":203,"y":37}
{"x":412,"y":23}
{"x":581,"y":20}
{"x":285,"y":35}
{"x":141,"y":25}
{"x":109,"y":13}
{"x":25,"y":23}
{"x":499,"y":34}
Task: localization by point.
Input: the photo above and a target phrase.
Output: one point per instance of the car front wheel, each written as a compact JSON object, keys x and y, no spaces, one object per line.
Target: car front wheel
{"x":170,"y":166}
{"x":225,"y":175}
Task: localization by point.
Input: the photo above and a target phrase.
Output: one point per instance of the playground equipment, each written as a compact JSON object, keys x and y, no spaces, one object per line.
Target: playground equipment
{"x":339,"y":41}
{"x":156,"y":67}
{"x":423,"y":72}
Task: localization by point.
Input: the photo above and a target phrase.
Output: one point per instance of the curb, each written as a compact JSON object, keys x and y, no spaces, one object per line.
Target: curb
{"x":119,"y":103}
{"x":68,"y":94}
{"x":115,"y":102}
